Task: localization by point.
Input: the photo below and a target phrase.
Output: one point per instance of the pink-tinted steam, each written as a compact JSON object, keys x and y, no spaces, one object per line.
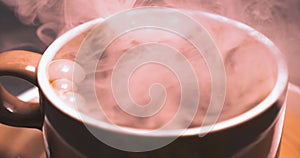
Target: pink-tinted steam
{"x":276,"y":19}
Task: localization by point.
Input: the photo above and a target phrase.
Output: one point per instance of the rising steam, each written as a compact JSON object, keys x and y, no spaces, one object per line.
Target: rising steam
{"x":275,"y":18}
{"x":57,"y":16}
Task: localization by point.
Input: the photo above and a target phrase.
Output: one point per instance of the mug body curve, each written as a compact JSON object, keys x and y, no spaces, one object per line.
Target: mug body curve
{"x":258,"y":137}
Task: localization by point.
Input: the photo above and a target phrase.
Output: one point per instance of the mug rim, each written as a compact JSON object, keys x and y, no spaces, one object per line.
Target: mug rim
{"x":277,"y":91}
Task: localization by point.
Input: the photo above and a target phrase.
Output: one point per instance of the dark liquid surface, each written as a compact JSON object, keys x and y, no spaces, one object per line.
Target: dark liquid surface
{"x":250,"y":75}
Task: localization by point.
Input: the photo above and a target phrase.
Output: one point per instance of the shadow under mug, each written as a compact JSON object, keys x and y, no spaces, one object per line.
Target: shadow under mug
{"x":256,"y":134}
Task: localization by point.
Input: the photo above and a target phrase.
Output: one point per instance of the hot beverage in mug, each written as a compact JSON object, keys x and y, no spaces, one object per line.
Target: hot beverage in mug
{"x":151,"y":92}
{"x":250,"y":75}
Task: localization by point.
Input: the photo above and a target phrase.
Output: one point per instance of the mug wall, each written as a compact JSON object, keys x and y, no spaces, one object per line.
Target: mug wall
{"x":258,"y":137}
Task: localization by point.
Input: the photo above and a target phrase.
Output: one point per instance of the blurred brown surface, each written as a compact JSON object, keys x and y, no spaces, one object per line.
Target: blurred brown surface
{"x":290,"y":145}
{"x":20,"y":142}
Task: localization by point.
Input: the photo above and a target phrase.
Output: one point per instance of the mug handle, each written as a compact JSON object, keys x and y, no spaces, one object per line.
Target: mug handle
{"x":13,"y":111}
